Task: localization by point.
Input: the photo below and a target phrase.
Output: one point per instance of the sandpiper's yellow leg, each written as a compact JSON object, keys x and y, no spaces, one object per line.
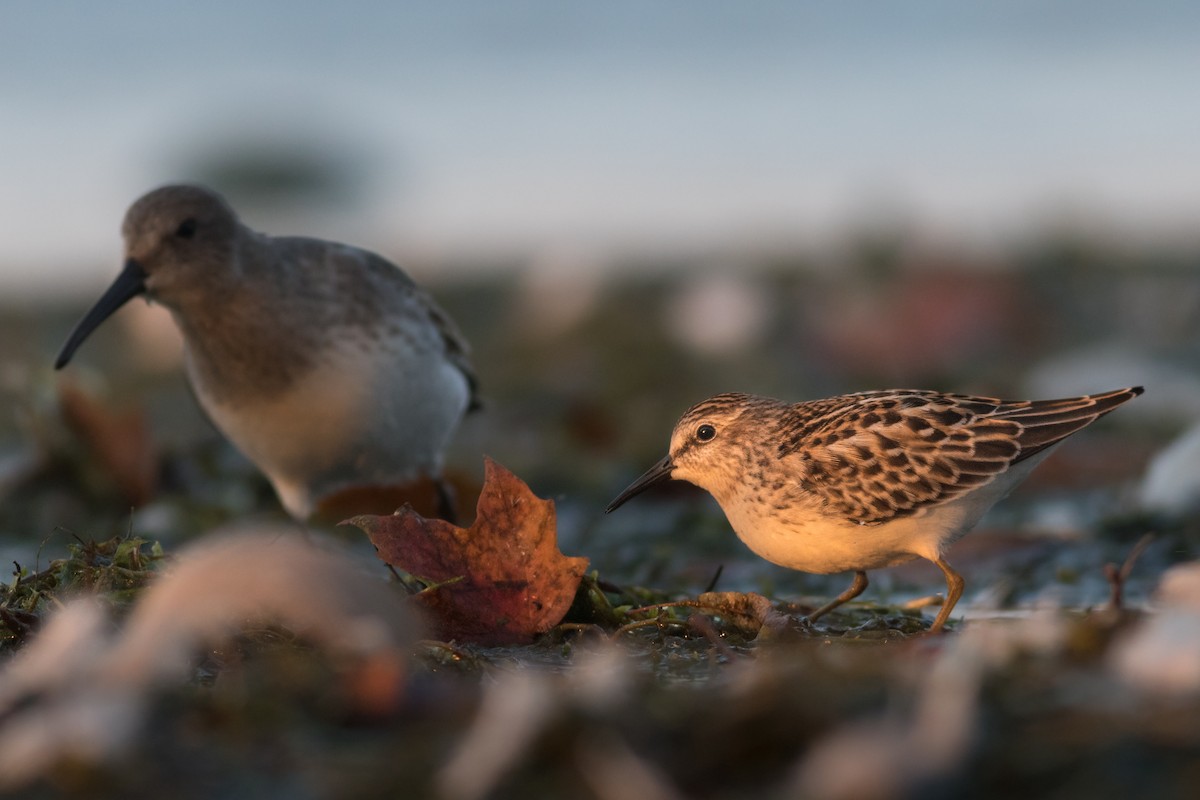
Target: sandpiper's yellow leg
{"x":858,"y":587}
{"x":954,"y":590}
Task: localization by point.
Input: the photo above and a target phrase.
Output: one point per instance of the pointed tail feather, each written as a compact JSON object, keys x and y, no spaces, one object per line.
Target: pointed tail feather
{"x":1047,"y":422}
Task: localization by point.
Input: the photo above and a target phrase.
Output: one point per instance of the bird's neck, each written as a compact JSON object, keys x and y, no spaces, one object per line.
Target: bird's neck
{"x":241,"y":344}
{"x":233,"y":357}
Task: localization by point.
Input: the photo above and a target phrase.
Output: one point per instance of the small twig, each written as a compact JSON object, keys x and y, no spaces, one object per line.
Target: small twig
{"x":12,"y":590}
{"x":408,"y":583}
{"x":433,"y":587}
{"x":37,"y":561}
{"x":660,"y":607}
{"x":712,"y":585}
{"x":1117,"y":576}
{"x":704,"y":626}
{"x":609,"y":586}
{"x":1136,"y":553}
{"x":659,"y":622}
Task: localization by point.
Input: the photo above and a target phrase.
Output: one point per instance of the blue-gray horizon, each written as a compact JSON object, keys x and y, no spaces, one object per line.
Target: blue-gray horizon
{"x":452,"y":131}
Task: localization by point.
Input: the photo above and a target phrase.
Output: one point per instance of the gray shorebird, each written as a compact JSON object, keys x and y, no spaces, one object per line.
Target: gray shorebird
{"x":323,"y":363}
{"x":865,"y":481}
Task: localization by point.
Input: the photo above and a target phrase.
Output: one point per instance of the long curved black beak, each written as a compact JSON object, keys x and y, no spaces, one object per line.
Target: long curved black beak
{"x":657,"y":474}
{"x":128,"y":285}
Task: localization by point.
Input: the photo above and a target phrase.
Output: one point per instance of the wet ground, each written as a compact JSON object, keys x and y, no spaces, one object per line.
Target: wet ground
{"x":1037,"y":689}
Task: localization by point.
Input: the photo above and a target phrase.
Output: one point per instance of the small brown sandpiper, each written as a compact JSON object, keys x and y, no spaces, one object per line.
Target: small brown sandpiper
{"x":324,"y":363}
{"x":865,"y":481}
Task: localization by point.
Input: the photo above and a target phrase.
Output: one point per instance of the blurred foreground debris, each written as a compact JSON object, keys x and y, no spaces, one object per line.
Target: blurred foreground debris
{"x":1161,"y":656}
{"x":80,"y":690}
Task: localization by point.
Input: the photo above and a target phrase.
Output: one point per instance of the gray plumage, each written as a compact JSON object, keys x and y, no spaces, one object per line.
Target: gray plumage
{"x":324,"y":363}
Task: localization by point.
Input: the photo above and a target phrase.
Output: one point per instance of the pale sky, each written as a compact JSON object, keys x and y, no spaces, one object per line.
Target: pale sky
{"x":540,"y":125}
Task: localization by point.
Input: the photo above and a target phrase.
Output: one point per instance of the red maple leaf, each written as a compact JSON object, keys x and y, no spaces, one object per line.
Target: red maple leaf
{"x":501,"y":581}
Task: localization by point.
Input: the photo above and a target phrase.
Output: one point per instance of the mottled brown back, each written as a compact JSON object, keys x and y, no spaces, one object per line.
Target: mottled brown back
{"x":876,"y":456}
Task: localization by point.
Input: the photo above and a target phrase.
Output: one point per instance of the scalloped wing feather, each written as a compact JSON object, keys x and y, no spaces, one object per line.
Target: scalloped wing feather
{"x":877,"y":456}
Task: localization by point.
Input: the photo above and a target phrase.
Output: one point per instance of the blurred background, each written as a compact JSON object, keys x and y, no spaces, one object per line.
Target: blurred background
{"x":627,"y":207}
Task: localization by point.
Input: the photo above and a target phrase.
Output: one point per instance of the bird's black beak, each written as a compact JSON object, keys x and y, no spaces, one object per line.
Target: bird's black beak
{"x":656,"y":474}
{"x":128,"y":285}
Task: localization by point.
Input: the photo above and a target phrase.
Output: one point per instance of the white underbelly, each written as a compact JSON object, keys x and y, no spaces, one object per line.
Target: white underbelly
{"x":827,"y":546}
{"x":805,"y":539}
{"x":360,"y":417}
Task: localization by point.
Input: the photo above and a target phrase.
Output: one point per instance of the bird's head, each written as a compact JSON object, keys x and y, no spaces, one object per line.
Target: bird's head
{"x":179,"y":243}
{"x":711,"y":447}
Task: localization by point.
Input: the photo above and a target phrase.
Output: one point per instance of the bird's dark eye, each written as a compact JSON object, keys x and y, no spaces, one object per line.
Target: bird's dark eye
{"x":186,"y":229}
{"x":706,"y":432}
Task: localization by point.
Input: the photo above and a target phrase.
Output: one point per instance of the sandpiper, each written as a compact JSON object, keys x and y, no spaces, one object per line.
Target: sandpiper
{"x":324,"y":363}
{"x":865,"y":481}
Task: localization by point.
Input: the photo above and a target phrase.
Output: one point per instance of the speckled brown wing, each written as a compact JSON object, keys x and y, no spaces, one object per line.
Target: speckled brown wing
{"x":878,"y":456}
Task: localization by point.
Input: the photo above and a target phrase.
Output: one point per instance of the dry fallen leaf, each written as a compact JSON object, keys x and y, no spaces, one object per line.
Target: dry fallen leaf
{"x":749,"y":611}
{"x":120,"y":442}
{"x":501,"y":581}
